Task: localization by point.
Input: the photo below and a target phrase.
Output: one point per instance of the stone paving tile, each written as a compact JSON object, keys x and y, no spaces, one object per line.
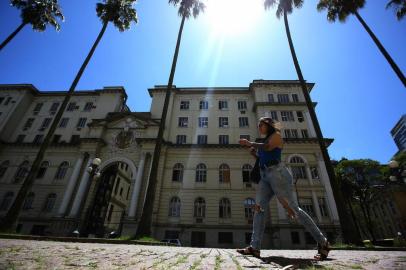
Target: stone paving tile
{"x":25,"y":254}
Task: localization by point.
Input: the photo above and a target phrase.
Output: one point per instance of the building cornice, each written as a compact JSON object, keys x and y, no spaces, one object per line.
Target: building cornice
{"x":280,"y":104}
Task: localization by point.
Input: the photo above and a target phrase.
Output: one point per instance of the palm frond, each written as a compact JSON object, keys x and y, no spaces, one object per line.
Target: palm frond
{"x":120,"y":12}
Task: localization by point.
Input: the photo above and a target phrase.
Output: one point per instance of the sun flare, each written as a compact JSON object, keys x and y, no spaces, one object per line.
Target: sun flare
{"x":232,"y":17}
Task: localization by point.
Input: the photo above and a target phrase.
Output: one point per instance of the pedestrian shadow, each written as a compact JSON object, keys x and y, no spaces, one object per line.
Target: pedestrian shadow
{"x":295,"y":263}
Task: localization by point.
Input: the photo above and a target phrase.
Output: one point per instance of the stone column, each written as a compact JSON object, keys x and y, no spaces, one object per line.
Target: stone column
{"x":329,"y":191}
{"x":316,"y":206}
{"x":81,"y":191}
{"x":137,"y":188}
{"x":69,"y":189}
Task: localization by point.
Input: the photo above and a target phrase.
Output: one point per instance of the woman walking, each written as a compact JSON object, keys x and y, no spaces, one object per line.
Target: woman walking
{"x":276,"y":180}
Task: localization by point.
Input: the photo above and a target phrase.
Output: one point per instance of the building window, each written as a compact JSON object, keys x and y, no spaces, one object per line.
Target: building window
{"x":181,"y":139}
{"x":88,"y":107}
{"x":247,"y":137}
{"x":54,"y":107}
{"x":270,"y":98}
{"x":307,"y":205}
{"x":291,"y":133}
{"x":38,"y":139}
{"x":287,"y":116}
{"x":203,"y":122}
{"x":295,"y":98}
{"x":1,"y":100}
{"x":274,"y":115}
{"x":248,"y":207}
{"x":201,"y":139}
{"x":81,"y":123}
{"x":315,"y":173}
{"x":300,"y":116}
{"x":184,"y":105}
{"x":22,"y":171}
{"x":4,"y":167}
{"x":64,"y":122}
{"x":7,"y":199}
{"x":45,"y":123}
{"x":223,"y":105}
{"x":49,"y":203}
{"x":72,"y":106}
{"x":56,"y":138}
{"x":20,"y":138}
{"x":243,"y":121}
{"x":323,"y":207}
{"x":309,"y":239}
{"x":182,"y":122}
{"x":296,"y":160}
{"x":295,"y":238}
{"x":242,"y":105}
{"x":305,"y":134}
{"x":223,"y":139}
{"x":177,"y":173}
{"x":283,"y":98}
{"x":299,"y":172}
{"x":37,"y":108}
{"x":224,"y":208}
{"x":225,"y":237}
{"x":42,"y":169}
{"x":28,"y":123}
{"x":201,"y":173}
{"x":224,"y":173}
{"x":29,"y":200}
{"x":174,"y":207}
{"x":75,"y":139}
{"x":62,"y":170}
{"x":200,"y":208}
{"x":204,"y":105}
{"x":246,"y":171}
{"x":7,"y":101}
{"x":223,"y":122}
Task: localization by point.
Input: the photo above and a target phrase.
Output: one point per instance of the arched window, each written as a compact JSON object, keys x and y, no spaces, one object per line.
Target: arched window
{"x":200,"y":208}
{"x":174,"y":207}
{"x":3,"y":168}
{"x":49,"y":203}
{"x":201,"y":173}
{"x":225,"y":208}
{"x":22,"y":171}
{"x":298,"y":167}
{"x":29,"y":200}
{"x":7,"y":199}
{"x":177,"y":173}
{"x":62,"y":169}
{"x":42,"y":169}
{"x":246,"y":170}
{"x":248,"y":207}
{"x":224,"y":173}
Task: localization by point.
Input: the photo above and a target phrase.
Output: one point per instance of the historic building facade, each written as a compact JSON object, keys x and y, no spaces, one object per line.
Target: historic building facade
{"x":203,"y":195}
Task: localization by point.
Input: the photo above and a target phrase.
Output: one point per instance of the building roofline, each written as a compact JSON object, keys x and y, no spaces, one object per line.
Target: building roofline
{"x":396,"y":126}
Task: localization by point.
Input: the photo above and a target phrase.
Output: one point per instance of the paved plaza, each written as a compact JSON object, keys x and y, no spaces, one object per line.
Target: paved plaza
{"x":28,"y":254}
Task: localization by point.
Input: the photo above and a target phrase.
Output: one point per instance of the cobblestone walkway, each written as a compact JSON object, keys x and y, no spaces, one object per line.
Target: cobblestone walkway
{"x":23,"y":254}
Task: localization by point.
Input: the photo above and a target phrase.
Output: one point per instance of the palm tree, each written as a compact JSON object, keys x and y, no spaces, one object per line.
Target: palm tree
{"x":285,"y":7}
{"x":38,"y":13}
{"x":340,"y":9}
{"x":187,"y":8}
{"x":121,"y":13}
{"x":399,"y":6}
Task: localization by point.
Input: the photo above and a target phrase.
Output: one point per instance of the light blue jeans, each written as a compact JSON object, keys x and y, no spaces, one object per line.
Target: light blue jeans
{"x":277,"y":180}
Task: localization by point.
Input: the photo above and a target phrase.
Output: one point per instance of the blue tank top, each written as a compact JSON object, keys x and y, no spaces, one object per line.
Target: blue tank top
{"x":267,"y":156}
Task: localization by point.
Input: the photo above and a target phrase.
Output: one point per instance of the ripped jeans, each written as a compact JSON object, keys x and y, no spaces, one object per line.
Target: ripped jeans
{"x":277,"y":180}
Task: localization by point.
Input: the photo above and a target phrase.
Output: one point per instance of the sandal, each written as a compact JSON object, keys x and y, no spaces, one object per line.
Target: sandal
{"x":322,"y":251}
{"x":250,"y":251}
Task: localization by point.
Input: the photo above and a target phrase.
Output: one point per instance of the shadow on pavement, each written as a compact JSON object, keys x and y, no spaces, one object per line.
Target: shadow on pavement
{"x":295,"y":263}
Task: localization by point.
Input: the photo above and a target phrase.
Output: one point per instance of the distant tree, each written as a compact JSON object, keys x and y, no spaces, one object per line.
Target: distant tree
{"x":399,"y":6}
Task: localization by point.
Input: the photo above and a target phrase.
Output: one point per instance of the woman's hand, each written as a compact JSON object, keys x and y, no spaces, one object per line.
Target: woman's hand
{"x":244,"y":142}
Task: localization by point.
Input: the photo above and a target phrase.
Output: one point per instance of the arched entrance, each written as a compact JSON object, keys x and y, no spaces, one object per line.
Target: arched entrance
{"x":111,"y":198}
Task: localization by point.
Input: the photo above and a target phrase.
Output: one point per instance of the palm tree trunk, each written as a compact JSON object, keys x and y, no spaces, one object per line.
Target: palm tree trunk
{"x":382,"y":49}
{"x":145,"y":224}
{"x":349,"y":234}
{"x":9,"y":222}
{"x":11,"y":36}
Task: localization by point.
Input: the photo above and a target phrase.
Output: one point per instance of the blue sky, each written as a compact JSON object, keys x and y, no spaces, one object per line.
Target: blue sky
{"x":359,"y":96}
